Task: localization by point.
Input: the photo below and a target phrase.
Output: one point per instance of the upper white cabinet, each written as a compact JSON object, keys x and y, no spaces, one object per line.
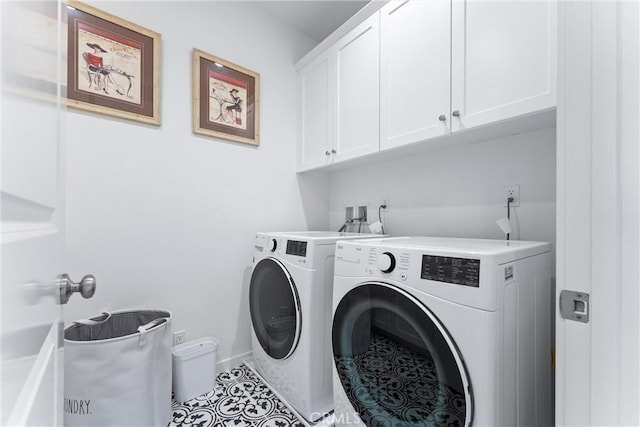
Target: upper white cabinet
{"x":358,"y":91}
{"x":416,"y":70}
{"x":315,"y":131}
{"x":340,"y":99}
{"x":503,"y":60}
{"x":415,"y":54}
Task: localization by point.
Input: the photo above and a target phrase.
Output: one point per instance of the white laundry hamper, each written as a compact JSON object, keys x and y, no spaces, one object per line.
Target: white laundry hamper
{"x":118,"y":370}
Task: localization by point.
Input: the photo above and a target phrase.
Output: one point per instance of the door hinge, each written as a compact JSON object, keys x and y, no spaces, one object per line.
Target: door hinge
{"x":574,"y":306}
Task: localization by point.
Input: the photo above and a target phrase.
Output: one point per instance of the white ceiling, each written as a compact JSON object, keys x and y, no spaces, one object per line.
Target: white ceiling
{"x":316,"y":19}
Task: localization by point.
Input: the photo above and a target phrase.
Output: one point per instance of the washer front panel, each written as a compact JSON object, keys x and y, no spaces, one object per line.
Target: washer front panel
{"x":396,"y":362}
{"x":275,"y":308}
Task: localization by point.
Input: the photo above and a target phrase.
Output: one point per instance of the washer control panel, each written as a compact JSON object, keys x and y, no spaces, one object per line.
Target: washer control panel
{"x":296,"y":247}
{"x":294,"y":250}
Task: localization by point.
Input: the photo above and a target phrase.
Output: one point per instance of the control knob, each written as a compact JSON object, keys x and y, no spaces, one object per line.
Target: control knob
{"x":386,"y":262}
{"x":273,"y":244}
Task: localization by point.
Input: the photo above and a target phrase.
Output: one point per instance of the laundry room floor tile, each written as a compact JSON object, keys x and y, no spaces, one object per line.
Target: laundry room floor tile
{"x":401,"y":384}
{"x":240,"y":399}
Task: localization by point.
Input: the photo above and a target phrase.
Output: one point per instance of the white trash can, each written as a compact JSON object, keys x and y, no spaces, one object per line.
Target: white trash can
{"x":194,"y":368}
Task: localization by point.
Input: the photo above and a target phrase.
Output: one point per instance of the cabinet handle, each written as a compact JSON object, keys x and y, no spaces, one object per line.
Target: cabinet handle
{"x":456,"y":113}
{"x":333,"y":150}
{"x":326,"y":153}
{"x":442,"y":118}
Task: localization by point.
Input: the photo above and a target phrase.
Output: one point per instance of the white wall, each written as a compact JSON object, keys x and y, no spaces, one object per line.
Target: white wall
{"x":166,"y":219}
{"x":458,"y":191}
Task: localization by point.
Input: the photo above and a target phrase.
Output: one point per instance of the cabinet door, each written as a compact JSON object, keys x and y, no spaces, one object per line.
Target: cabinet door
{"x":358,"y":91}
{"x":315,"y":113}
{"x":503,"y":59}
{"x":415,"y":47}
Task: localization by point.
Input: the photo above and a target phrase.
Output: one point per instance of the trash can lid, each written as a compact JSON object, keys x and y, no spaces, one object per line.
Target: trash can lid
{"x":195,"y":348}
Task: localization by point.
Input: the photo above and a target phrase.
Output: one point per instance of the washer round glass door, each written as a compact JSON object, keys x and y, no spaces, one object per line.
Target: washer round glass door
{"x":275,"y":308}
{"x":396,"y":362}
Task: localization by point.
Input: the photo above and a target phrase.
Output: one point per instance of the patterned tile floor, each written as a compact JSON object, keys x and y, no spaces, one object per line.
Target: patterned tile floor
{"x":391,"y":385}
{"x":240,"y":399}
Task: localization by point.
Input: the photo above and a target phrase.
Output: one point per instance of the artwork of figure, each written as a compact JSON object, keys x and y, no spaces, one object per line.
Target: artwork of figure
{"x":235,"y":108}
{"x":227,"y":99}
{"x":111,"y":66}
{"x":95,"y":68}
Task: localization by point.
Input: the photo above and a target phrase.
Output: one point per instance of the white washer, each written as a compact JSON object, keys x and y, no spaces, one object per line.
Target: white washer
{"x":442,"y":331}
{"x":290,"y":305}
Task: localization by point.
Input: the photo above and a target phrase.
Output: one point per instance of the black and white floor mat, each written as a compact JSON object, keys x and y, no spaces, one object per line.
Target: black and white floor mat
{"x":240,"y":399}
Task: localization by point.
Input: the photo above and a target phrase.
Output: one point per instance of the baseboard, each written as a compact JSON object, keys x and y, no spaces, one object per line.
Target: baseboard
{"x":232,"y":362}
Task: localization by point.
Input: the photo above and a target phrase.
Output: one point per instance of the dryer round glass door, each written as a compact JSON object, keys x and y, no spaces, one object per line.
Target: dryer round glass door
{"x":396,"y":361}
{"x":275,"y":308}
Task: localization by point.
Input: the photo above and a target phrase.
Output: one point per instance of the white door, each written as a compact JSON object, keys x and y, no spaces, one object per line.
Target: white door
{"x":32,"y":220}
{"x":415,"y":59}
{"x":358,"y":91}
{"x":598,"y":216}
{"x":503,"y":60}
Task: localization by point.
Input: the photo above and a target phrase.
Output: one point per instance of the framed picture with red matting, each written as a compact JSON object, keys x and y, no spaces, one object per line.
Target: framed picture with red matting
{"x":112,"y":65}
{"x":226,"y":99}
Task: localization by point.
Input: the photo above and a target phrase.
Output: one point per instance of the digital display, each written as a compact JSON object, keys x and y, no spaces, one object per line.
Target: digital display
{"x":296,"y":247}
{"x":458,"y":271}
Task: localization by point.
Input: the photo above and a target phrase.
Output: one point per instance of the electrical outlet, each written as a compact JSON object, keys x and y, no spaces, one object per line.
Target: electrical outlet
{"x":512,"y":191}
{"x":362,"y":213}
{"x":179,"y":337}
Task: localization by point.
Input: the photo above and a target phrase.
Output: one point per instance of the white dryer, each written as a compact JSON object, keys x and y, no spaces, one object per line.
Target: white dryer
{"x":290,"y":304}
{"x":442,"y":331}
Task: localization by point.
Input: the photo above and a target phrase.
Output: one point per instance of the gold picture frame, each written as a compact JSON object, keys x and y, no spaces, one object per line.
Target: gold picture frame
{"x":113,"y":65}
{"x":226,"y":99}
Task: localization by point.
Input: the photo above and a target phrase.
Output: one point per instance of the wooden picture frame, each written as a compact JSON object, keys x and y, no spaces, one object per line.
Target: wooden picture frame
{"x":226,"y":99}
{"x":113,"y":65}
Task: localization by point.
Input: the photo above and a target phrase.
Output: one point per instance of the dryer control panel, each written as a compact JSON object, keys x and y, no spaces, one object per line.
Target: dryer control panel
{"x":472,"y":272}
{"x":458,"y":271}
{"x":397,"y":263}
